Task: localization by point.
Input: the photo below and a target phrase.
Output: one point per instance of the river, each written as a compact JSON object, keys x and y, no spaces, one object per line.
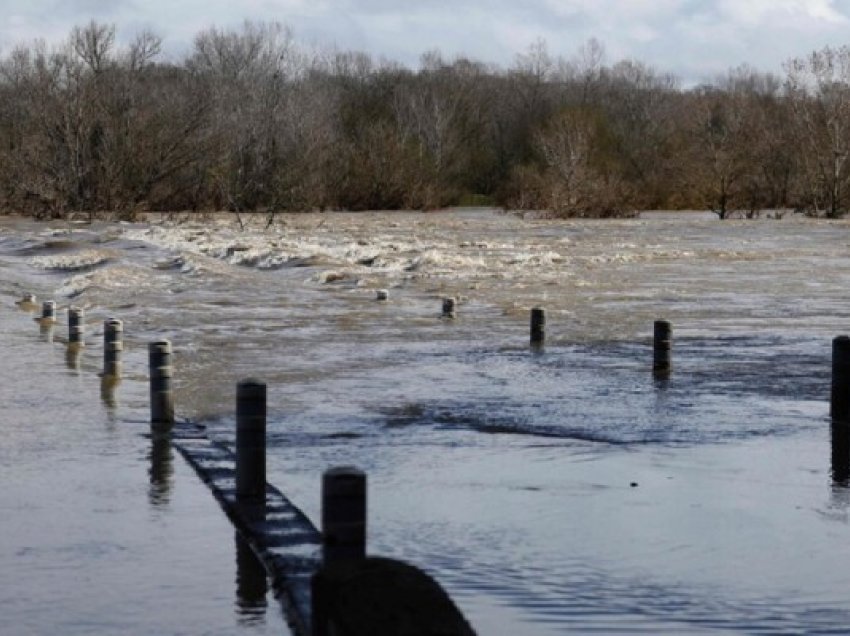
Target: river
{"x":550,"y":491}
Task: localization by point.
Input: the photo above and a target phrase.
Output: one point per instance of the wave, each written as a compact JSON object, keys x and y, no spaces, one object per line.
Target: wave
{"x":82,"y":260}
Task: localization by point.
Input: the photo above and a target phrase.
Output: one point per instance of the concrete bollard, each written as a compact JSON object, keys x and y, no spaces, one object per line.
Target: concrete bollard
{"x":343,"y":515}
{"x":662,"y":342}
{"x":251,"y":441}
{"x":449,"y":307}
{"x":113,"y":347}
{"x":839,"y":403}
{"x":382,"y":294}
{"x":538,"y":325}
{"x":162,"y":397}
{"x":76,"y":328}
{"x":48,"y":311}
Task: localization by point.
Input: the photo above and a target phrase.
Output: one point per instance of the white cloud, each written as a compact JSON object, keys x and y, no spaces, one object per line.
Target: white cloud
{"x":759,"y":12}
{"x":690,"y":37}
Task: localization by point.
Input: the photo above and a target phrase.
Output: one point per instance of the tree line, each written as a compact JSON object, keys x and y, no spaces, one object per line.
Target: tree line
{"x":248,"y":120}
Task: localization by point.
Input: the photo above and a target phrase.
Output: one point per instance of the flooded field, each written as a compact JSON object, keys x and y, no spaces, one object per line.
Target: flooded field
{"x":552,"y":491}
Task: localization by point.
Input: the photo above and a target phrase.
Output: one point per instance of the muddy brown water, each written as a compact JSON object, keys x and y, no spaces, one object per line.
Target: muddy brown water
{"x":553,"y":491}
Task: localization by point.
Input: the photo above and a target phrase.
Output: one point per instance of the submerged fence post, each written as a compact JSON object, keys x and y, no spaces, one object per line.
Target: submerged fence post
{"x":251,"y":441}
{"x":449,"y":307}
{"x":75,"y":326}
{"x":343,"y":514}
{"x":538,"y":325}
{"x":839,"y":404}
{"x":662,"y":343}
{"x":162,"y":398}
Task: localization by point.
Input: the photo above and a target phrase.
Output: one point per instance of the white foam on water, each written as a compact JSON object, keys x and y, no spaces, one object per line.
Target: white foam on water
{"x":72,"y":261}
{"x":118,"y":277}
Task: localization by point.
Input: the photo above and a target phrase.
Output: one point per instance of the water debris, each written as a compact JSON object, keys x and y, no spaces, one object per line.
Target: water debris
{"x":332,"y":277}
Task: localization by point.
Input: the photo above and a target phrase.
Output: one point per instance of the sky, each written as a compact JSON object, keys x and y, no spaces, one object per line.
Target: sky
{"x":695,"y":39}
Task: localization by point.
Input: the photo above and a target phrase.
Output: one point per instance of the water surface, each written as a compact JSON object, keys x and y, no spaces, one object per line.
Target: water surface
{"x":553,"y":491}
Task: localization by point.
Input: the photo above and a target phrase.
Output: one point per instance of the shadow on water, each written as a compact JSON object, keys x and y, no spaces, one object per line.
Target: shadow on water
{"x":161,"y":471}
{"x":251,"y":584}
{"x":721,"y":389}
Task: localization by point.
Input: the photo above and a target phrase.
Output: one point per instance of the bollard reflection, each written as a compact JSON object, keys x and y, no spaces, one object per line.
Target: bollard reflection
{"x":840,"y":455}
{"x":108,"y":387}
{"x":661,"y":379}
{"x":161,"y":470}
{"x":45,"y":329}
{"x":251,"y":584}
{"x":72,"y":356}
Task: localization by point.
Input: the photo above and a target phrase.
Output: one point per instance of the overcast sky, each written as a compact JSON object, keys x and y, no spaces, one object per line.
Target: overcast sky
{"x":695,"y":39}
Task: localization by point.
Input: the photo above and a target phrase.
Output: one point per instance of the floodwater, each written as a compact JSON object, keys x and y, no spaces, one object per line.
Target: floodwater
{"x":550,"y":491}
{"x":102,"y":530}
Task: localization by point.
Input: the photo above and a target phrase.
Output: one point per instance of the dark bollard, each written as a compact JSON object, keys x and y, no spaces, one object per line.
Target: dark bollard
{"x":75,"y":327}
{"x":538,"y":325}
{"x":251,"y":441}
{"x":113,"y":347}
{"x":343,"y":514}
{"x":662,"y":342}
{"x":162,"y":398}
{"x":355,"y":595}
{"x":839,"y":405}
{"x":449,"y":307}
{"x":48,"y":311}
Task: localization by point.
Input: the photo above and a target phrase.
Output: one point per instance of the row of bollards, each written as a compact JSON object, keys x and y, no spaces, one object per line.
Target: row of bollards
{"x":351,"y":594}
{"x":662,"y":332}
{"x":250,"y":392}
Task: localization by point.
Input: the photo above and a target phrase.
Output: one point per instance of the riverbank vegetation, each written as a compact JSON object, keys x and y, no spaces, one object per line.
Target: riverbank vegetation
{"x":248,"y":120}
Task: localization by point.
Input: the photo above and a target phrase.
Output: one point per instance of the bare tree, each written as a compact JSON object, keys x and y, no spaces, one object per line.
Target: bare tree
{"x":819,"y":90}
